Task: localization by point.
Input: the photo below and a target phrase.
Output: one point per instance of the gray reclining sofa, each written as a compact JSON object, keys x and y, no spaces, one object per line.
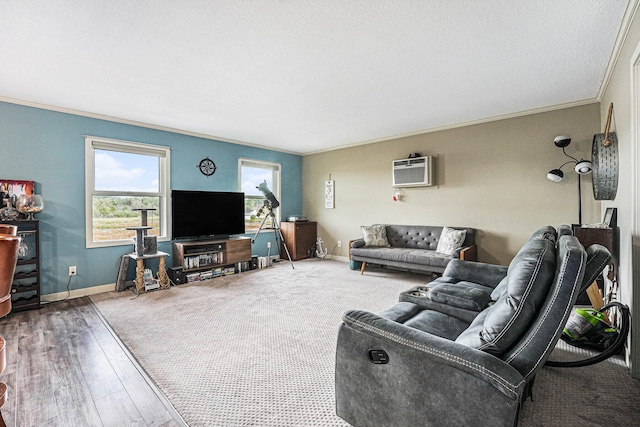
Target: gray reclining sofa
{"x":466,"y":355}
{"x":413,"y":247}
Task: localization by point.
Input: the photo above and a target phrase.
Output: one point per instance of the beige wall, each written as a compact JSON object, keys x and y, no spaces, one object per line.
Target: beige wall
{"x":490,"y":176}
{"x":619,"y":91}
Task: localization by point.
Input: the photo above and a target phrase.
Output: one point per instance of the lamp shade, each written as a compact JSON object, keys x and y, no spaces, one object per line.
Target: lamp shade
{"x":555,"y":175}
{"x":583,"y":167}
{"x":562,"y":141}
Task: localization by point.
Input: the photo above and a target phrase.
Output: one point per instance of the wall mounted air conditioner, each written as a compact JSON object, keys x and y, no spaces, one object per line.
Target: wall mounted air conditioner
{"x":415,"y":172}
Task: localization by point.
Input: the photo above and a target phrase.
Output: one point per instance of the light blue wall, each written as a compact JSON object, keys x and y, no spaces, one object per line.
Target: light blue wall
{"x":48,"y":147}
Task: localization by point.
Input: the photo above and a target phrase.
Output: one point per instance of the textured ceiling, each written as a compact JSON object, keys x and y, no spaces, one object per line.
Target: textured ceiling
{"x":305,"y":76}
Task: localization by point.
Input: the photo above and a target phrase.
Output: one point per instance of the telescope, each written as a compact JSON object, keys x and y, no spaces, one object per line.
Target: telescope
{"x":270,"y":203}
{"x":264,"y":189}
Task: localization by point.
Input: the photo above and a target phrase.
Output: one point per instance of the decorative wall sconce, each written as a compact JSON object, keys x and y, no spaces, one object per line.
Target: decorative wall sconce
{"x":582,"y":167}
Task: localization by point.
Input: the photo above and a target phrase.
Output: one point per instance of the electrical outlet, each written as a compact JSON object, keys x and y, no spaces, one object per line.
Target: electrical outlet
{"x":72,"y":270}
{"x":339,"y":244}
{"x":268,"y":245}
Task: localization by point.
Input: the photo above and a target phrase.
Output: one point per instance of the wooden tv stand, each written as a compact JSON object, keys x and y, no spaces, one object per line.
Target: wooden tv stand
{"x":203,"y":255}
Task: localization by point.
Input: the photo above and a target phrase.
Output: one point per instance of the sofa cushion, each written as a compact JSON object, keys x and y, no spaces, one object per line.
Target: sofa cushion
{"x":529,"y":279}
{"x":413,"y":236}
{"x":437,"y":323}
{"x":409,"y":256}
{"x":450,"y":240}
{"x":375,"y":235}
{"x":429,"y":321}
{"x":458,"y":282}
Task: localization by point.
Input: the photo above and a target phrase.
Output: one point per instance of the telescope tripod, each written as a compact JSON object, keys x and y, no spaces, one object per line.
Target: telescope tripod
{"x":276,"y":227}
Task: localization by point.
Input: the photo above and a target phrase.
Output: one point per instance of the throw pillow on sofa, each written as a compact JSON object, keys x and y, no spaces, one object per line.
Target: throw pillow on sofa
{"x":375,"y":235}
{"x":450,"y":240}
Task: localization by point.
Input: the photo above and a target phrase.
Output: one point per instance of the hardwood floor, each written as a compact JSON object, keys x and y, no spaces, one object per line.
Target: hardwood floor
{"x":65,"y":367}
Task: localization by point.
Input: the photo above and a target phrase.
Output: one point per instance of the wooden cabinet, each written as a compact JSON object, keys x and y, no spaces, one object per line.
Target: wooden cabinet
{"x":602,"y":236}
{"x":300,"y":238}
{"x":25,"y":290}
{"x":607,"y":238}
{"x":210,"y":255}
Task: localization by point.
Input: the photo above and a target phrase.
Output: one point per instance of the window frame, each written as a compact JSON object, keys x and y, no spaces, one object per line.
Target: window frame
{"x":276,"y":169}
{"x":163,"y":153}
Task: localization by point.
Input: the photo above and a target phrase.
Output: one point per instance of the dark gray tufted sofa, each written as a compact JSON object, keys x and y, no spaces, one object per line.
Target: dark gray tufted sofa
{"x":413,"y":247}
{"x":469,"y":360}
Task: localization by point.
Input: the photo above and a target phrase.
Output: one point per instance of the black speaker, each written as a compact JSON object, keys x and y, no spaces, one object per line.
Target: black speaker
{"x":254,"y":262}
{"x":176,"y":275}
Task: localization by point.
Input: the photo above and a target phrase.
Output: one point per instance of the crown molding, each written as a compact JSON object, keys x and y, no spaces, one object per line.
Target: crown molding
{"x":464,"y":124}
{"x":140,"y":124}
{"x":625,"y":27}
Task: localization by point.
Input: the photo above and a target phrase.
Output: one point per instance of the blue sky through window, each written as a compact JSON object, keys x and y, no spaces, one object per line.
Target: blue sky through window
{"x":251,"y":177}
{"x":116,"y":171}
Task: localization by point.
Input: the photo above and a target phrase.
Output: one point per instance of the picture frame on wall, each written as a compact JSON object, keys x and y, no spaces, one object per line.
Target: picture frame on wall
{"x":11,"y":189}
{"x":329,"y":197}
{"x":610,"y":217}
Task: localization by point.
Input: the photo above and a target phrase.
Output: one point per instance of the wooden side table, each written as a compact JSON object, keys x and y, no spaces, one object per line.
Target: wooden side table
{"x":300,"y":237}
{"x":162,"y":269}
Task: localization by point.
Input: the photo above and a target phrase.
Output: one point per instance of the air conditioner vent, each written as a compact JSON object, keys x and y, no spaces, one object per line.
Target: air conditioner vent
{"x":414,"y":172}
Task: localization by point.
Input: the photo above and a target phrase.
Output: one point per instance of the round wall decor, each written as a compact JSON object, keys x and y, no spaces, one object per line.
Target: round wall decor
{"x":207,"y":167}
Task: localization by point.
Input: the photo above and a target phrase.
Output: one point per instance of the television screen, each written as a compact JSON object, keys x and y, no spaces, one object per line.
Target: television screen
{"x":206,"y":213}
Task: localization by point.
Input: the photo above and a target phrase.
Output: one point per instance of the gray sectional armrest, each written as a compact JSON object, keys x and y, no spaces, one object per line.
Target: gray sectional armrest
{"x":484,"y":274}
{"x":460,"y":296}
{"x":428,"y":304}
{"x":356,"y":243}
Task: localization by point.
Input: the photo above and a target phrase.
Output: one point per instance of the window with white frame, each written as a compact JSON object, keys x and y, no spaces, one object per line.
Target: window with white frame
{"x":251,"y":174}
{"x":123,"y":177}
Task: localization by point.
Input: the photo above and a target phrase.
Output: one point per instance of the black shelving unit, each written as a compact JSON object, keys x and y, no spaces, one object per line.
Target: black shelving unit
{"x":25,"y":290}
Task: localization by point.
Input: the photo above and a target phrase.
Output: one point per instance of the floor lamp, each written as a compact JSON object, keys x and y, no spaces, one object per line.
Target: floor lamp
{"x":582,"y":167}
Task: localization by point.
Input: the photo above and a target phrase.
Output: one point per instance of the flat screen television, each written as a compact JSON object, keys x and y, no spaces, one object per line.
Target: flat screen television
{"x":200,"y":214}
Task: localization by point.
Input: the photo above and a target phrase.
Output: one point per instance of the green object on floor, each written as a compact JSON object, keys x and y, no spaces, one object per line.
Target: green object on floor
{"x":587,"y":328}
{"x":581,"y":321}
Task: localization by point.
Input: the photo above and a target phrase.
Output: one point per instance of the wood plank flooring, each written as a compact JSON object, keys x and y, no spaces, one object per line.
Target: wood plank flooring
{"x":66,"y":367}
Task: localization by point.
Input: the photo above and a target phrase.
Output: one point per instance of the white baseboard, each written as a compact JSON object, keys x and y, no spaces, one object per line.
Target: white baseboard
{"x":77,"y":293}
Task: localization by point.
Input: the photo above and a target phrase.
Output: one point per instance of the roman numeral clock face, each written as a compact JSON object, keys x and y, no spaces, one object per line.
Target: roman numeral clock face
{"x":207,"y":167}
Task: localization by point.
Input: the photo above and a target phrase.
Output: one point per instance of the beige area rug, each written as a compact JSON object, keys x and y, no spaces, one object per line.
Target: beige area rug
{"x":252,"y":349}
{"x":258,"y":348}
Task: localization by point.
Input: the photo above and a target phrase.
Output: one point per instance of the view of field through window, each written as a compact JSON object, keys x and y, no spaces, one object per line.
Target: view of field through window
{"x":124,"y":181}
{"x":112,"y":216}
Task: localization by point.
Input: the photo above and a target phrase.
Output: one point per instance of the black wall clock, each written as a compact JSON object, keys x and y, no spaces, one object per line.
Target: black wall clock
{"x":207,"y":167}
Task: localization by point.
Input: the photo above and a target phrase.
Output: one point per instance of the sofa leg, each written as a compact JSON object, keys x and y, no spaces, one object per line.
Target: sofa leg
{"x":364,"y":264}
